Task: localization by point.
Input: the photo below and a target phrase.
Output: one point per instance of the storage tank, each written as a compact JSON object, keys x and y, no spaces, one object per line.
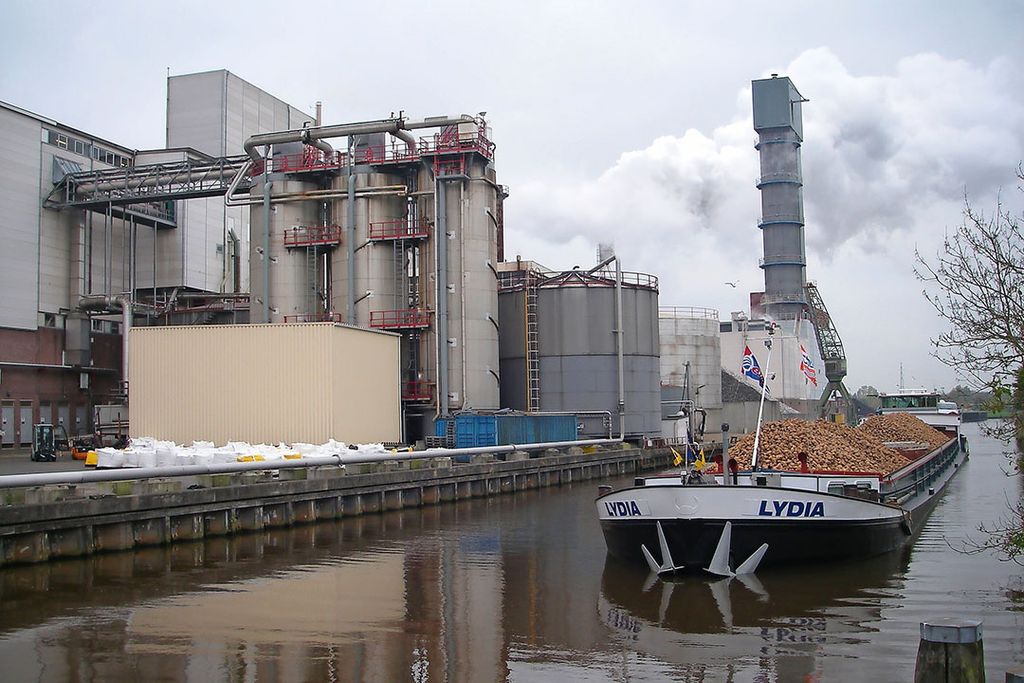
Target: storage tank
{"x":378,"y":264}
{"x":397,"y":279}
{"x":292,"y":274}
{"x":691,"y":341}
{"x":563,"y":325}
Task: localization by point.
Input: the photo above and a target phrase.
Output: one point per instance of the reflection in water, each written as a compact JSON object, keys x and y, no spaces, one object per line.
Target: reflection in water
{"x":510,"y":588}
{"x":773,"y":623}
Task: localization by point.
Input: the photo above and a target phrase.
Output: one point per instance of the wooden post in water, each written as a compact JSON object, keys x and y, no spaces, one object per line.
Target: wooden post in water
{"x":950,"y":651}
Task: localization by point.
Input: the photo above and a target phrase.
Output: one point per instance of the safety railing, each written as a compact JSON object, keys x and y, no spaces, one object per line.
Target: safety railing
{"x":417,"y":391}
{"x":687,"y":312}
{"x":314,"y":318}
{"x":312,"y":235}
{"x":403,"y":318}
{"x":398,"y":229}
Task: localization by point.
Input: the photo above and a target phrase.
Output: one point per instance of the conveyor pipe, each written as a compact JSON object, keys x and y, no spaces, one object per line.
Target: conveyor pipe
{"x":395,"y":126}
{"x":341,"y":459}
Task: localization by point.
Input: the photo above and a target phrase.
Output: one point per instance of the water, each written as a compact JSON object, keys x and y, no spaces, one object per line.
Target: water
{"x":509,"y":588}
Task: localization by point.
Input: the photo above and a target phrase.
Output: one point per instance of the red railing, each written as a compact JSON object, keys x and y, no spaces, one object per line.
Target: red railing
{"x":309,"y":159}
{"x":398,"y":229}
{"x":417,"y":391}
{"x":403,"y":318}
{"x":314,"y":318}
{"x":312,"y":235}
{"x":448,"y":141}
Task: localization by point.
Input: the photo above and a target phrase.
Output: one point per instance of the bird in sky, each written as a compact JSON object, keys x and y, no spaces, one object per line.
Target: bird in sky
{"x":732,"y":284}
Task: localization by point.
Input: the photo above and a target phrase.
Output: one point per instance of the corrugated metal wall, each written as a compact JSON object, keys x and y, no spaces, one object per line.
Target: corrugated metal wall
{"x":264,"y":383}
{"x":19,"y":219}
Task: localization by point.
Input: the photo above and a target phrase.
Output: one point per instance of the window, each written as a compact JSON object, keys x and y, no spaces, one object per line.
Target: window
{"x":62,"y":141}
{"x":79,"y":147}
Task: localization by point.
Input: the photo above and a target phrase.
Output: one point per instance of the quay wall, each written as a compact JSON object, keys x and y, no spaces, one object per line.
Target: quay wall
{"x":39,"y":524}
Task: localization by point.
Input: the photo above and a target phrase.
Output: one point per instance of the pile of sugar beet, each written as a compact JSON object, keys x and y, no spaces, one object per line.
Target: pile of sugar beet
{"x":833,"y":447}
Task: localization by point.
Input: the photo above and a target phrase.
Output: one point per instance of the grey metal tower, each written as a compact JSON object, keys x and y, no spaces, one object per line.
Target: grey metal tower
{"x":779,"y":125}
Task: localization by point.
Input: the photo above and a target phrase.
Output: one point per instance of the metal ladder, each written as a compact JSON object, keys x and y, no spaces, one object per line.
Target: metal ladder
{"x":532,"y":346}
{"x":312,"y":303}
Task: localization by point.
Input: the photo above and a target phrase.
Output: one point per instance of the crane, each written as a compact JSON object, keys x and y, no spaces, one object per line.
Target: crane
{"x":832,"y":353}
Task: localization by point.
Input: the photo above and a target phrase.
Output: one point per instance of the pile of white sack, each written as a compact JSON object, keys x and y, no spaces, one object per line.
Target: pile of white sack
{"x":149,"y":452}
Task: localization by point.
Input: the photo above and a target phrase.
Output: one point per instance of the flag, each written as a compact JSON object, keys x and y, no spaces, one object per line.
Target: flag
{"x":807,"y":367}
{"x":701,"y":462}
{"x":678,"y":460}
{"x":750,"y":367}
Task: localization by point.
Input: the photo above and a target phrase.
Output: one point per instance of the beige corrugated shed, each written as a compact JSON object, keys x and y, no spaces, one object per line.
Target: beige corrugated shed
{"x":264,"y":383}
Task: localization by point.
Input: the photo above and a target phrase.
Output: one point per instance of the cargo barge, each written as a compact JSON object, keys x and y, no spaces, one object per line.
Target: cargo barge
{"x":731,"y":521}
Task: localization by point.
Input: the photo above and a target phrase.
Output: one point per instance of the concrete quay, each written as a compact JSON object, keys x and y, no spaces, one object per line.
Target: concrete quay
{"x":39,"y":524}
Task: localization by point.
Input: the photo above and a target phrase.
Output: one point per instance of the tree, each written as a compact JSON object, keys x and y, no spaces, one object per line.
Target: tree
{"x":976,"y":283}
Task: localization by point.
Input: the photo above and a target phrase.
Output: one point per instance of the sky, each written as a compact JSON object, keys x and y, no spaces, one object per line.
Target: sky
{"x":622,"y":122}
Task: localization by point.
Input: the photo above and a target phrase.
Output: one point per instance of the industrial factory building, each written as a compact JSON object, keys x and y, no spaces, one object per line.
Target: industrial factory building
{"x":256,"y":212}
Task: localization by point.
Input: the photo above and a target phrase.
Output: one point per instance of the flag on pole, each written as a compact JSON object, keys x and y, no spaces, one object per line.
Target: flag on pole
{"x":750,"y":367}
{"x":678,"y":459}
{"x":807,"y":367}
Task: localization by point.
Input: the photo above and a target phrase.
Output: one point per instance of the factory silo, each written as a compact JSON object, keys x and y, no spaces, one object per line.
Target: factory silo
{"x":559,"y":350}
{"x":691,"y":362}
{"x":779,"y":125}
{"x":291,"y":254}
{"x":376,"y":278}
{"x":418,"y":259}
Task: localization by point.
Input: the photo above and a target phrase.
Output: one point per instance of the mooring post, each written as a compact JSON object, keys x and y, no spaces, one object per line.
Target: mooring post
{"x":950,"y":651}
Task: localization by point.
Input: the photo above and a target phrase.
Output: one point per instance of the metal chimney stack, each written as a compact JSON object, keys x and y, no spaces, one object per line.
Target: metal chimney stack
{"x":779,"y":125}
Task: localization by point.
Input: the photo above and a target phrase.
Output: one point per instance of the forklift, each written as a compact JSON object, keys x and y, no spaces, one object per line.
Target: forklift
{"x":48,"y":441}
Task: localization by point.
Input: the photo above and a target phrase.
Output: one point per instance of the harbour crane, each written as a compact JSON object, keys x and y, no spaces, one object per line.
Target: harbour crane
{"x":832,"y":353}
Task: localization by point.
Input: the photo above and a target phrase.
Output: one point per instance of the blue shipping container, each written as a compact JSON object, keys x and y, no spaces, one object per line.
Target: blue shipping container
{"x":500,"y":430}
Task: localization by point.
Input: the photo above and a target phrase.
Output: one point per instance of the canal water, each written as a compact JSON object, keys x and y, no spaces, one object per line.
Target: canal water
{"x":514,"y":588}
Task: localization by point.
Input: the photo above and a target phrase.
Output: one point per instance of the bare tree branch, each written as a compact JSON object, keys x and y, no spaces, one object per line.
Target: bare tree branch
{"x":976,"y":284}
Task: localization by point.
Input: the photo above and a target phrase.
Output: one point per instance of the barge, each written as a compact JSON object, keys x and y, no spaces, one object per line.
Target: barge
{"x":731,"y":522}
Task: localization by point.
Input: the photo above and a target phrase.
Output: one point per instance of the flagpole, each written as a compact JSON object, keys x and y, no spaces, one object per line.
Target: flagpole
{"x":764,"y":388}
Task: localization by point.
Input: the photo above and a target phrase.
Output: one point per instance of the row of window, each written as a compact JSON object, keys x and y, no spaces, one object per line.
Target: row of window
{"x":85,"y":149}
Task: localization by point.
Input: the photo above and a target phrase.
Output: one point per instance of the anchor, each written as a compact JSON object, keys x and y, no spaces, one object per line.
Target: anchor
{"x":719,"y":561}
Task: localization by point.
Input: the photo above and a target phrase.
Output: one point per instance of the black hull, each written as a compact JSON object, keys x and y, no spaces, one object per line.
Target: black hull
{"x":692,"y":542}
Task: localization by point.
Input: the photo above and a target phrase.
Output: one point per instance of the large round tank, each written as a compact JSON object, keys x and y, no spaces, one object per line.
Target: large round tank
{"x":576,"y":349}
{"x":691,"y":335}
{"x":292,"y":294}
{"x":406,"y":275}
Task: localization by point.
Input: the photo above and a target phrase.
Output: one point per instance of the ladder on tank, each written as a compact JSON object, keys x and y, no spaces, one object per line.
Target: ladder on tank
{"x":532,"y":346}
{"x":312,"y":296}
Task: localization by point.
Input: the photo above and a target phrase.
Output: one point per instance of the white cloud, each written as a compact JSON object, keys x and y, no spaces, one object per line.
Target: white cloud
{"x":886,"y":161}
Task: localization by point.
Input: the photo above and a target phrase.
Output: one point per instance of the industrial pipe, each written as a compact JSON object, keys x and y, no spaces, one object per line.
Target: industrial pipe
{"x":409,"y":140}
{"x":218,"y":171}
{"x":126,"y":325}
{"x":317,"y":142}
{"x":341,"y":459}
{"x":441,"y":245}
{"x":391,"y":125}
{"x":350,"y":241}
{"x":381,"y":190}
{"x":619,"y":344}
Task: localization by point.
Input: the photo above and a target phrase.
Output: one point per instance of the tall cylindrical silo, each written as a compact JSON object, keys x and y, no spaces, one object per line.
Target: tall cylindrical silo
{"x":376,"y":264}
{"x":291,"y":275}
{"x":464,"y":250}
{"x":691,"y":360}
{"x":575,"y":349}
